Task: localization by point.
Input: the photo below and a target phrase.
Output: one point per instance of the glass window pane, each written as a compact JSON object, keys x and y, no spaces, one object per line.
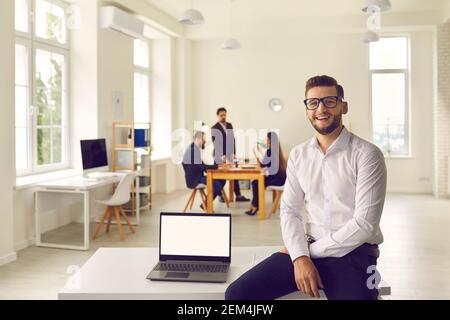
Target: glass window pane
{"x":21,"y":106}
{"x":44,"y":156}
{"x":21,"y":148}
{"x":141,"y":111}
{"x":43,"y":69}
{"x":141,"y":87}
{"x":21,"y":65}
{"x":21,"y":15}
{"x":389,"y":53}
{"x":389,"y":113}
{"x":49,"y":87}
{"x":141,"y":53}
{"x":57,"y":145}
{"x":50,"y":21}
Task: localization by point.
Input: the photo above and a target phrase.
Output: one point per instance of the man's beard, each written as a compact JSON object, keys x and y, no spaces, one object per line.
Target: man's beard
{"x":333,"y":126}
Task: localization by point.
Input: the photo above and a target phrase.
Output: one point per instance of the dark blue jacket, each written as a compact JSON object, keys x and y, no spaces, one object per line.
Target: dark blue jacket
{"x":194,"y":168}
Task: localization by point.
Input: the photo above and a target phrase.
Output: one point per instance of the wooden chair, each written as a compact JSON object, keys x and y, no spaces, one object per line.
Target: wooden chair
{"x":277,"y":192}
{"x":114,"y":208}
{"x":201,"y":189}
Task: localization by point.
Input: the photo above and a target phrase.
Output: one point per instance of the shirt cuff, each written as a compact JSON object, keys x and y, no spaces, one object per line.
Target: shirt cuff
{"x":319,"y":248}
{"x":298,"y":251}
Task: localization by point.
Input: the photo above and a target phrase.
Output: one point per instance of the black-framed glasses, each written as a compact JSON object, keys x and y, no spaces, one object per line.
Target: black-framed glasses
{"x":329,"y":102}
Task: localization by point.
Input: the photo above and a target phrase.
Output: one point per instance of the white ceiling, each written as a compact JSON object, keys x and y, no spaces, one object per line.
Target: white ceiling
{"x":249,"y":13}
{"x":266,"y":10}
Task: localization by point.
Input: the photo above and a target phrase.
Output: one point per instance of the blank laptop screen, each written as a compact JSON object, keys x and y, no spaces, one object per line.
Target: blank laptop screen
{"x":202,"y":236}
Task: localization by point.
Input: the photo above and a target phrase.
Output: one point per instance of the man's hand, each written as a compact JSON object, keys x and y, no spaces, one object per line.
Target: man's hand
{"x":284,"y":250}
{"x":307,"y":277}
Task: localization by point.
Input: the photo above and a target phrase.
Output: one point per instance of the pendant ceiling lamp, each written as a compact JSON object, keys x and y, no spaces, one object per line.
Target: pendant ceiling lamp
{"x":231,"y":43}
{"x":371,"y":36}
{"x":192,"y":16}
{"x":383,"y":5}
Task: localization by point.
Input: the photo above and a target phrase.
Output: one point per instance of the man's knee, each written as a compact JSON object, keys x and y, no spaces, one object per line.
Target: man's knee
{"x":234,"y":292}
{"x":241,"y":289}
{"x":259,"y":282}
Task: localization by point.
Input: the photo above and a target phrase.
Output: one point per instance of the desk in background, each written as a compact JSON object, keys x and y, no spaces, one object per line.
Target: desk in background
{"x":231,"y":173}
{"x":55,"y":194}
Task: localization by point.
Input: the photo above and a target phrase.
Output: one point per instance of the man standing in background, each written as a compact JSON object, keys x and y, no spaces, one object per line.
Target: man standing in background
{"x":225,"y":147}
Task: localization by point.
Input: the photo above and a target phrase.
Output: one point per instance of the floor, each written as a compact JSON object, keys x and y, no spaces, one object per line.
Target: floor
{"x":415,"y":255}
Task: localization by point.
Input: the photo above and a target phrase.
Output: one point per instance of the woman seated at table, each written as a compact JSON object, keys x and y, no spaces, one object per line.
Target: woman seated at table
{"x":274,"y":167}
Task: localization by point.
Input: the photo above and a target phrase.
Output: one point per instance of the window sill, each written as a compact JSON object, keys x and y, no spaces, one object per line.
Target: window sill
{"x":32,"y":181}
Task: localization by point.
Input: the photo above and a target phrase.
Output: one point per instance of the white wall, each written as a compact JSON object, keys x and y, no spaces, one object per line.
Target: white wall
{"x":442,"y":112}
{"x":83,"y":80}
{"x":115,"y":72}
{"x":7,"y":161}
{"x":416,"y":174}
{"x":278,"y":66}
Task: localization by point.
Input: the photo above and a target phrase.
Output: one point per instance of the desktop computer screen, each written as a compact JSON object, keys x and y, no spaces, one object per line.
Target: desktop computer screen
{"x":93,"y":153}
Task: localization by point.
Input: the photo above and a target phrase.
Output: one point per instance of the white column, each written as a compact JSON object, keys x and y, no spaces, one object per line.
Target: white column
{"x":442,"y":112}
{"x":7,"y":159}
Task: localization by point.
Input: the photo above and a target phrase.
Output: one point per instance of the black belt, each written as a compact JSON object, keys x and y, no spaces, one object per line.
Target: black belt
{"x":369,"y":249}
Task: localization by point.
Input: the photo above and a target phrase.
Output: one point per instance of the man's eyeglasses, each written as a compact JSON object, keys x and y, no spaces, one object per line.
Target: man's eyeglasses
{"x":329,"y":102}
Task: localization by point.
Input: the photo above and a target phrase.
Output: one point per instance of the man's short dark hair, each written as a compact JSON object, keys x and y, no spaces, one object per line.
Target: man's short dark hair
{"x":340,"y":92}
{"x":221,"y":110}
{"x":198,"y":134}
{"x":321,"y":81}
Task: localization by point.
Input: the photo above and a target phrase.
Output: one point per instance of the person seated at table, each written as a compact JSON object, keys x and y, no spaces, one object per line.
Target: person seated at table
{"x":195,"y":168}
{"x":274,"y":167}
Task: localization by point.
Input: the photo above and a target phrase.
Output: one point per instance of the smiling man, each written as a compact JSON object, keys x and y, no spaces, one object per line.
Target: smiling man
{"x":330,"y":211}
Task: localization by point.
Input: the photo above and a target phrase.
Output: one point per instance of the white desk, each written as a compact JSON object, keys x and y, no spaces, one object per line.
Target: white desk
{"x":120,"y":274}
{"x":55,"y":194}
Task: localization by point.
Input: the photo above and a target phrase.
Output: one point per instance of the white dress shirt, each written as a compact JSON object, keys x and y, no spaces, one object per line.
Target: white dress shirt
{"x":337,"y":198}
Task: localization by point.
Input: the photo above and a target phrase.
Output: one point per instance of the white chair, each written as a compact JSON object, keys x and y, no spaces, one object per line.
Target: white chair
{"x":114,"y":207}
{"x":277,"y":192}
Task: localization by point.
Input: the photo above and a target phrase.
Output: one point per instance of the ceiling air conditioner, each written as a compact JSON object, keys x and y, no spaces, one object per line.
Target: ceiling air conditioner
{"x":121,"y":21}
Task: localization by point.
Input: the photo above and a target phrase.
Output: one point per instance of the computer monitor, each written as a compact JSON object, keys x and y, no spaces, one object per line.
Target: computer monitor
{"x":94,"y":155}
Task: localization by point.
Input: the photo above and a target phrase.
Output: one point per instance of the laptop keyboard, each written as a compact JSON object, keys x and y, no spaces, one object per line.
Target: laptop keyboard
{"x":185,"y":267}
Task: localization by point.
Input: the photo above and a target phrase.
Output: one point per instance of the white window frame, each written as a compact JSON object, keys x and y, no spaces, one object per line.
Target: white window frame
{"x":34,"y":43}
{"x":406,"y":72}
{"x":27,"y":45}
{"x":146,"y":72}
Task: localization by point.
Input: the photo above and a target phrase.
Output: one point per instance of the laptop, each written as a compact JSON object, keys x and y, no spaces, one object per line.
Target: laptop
{"x":193,"y":248}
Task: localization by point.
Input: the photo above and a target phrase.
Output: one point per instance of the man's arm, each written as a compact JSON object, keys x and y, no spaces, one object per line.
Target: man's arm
{"x":369,"y":202}
{"x":306,"y":276}
{"x":292,"y":227}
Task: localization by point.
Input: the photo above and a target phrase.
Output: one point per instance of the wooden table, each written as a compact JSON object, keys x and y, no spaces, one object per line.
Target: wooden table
{"x":231,"y":174}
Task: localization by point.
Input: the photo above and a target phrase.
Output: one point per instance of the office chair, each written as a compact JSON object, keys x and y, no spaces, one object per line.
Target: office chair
{"x":201,"y":189}
{"x":114,"y":207}
{"x":277,"y":192}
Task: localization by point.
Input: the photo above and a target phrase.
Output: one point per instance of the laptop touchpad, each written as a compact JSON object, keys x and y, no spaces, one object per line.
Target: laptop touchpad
{"x":179,"y":275}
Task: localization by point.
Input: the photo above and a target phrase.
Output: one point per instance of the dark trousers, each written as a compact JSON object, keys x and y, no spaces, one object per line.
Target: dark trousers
{"x":343,"y":278}
{"x":268,"y":181}
{"x":217,"y":186}
{"x":237,"y":188}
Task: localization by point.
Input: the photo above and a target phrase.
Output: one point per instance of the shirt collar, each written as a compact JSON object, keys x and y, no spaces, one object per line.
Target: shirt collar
{"x":340,"y":143}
